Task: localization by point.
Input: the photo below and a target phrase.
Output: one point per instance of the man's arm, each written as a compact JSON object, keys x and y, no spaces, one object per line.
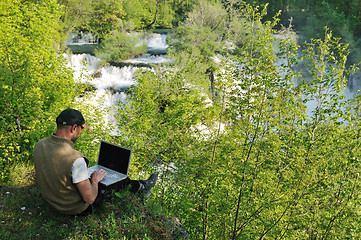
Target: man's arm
{"x":89,"y":188}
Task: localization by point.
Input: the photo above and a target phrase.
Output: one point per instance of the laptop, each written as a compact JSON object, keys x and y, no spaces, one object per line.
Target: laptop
{"x":114,"y":159}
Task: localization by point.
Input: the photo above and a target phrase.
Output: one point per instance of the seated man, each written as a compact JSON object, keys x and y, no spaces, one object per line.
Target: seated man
{"x":62,"y":171}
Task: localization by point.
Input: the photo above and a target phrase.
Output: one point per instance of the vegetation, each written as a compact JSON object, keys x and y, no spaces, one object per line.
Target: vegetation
{"x":24,"y":215}
{"x":34,"y":81}
{"x":119,"y":47}
{"x":105,"y":16}
{"x":309,"y":18}
{"x":227,"y":126}
{"x":250,"y":161}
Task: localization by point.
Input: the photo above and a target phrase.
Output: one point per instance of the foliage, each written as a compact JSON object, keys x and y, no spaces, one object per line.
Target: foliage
{"x":104,"y":16}
{"x":149,"y":123}
{"x":74,"y":13}
{"x":245,"y":146}
{"x":309,"y":18}
{"x":34,"y":81}
{"x":140,"y":13}
{"x":25,"y":215}
{"x":120,"y":46}
{"x":99,"y":17}
{"x":252,"y":162}
{"x":193,"y":44}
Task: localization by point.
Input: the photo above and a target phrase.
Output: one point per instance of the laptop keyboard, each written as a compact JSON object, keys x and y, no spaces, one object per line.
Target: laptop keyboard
{"x":112,"y":175}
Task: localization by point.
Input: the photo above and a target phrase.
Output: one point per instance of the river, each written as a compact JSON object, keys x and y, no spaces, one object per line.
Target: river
{"x":111,"y":82}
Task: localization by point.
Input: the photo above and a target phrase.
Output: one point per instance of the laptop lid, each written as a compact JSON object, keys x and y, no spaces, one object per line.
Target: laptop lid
{"x":114,"y":157}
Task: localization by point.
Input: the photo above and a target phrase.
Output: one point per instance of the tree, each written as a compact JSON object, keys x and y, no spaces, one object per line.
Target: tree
{"x":99,"y":17}
{"x":253,"y":162}
{"x":34,"y":80}
{"x":119,"y":46}
{"x":194,"y":44}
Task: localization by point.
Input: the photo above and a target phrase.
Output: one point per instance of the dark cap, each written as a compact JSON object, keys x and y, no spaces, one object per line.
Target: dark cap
{"x":71,"y":117}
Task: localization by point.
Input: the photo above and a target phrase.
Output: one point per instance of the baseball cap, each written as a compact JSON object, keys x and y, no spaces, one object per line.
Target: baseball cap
{"x":71,"y":117}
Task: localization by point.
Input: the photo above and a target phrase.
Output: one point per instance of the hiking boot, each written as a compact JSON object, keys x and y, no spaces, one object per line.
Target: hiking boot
{"x":147,"y":185}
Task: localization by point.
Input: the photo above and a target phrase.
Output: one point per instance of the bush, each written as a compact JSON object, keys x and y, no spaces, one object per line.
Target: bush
{"x":34,"y":80}
{"x":120,"y":46}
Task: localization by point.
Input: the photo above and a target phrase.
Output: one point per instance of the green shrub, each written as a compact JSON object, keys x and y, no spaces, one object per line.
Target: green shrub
{"x":34,"y":81}
{"x":120,"y":46}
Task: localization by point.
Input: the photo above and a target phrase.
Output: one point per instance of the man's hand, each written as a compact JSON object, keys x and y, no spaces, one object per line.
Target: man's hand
{"x":98,"y":175}
{"x":89,"y":189}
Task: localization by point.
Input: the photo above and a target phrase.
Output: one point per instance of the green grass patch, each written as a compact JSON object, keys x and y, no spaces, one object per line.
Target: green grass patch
{"x":24,"y":215}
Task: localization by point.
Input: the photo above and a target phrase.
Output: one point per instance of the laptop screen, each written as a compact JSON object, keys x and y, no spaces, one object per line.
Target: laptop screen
{"x":114,"y":157}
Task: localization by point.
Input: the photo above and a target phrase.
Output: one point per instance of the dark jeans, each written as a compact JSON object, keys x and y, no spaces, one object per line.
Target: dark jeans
{"x":106,"y":193}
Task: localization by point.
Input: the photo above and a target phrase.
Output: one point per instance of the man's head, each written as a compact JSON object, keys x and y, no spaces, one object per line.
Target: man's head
{"x":70,"y":122}
{"x":70,"y":117}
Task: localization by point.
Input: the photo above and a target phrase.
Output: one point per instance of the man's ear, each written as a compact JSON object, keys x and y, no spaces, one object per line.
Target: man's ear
{"x":73,"y":128}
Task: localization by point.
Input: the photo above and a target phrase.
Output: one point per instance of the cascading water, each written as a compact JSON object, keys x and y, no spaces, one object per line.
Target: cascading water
{"x":111,"y":82}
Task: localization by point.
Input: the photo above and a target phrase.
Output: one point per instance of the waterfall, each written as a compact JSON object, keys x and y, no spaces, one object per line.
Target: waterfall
{"x":111,"y":82}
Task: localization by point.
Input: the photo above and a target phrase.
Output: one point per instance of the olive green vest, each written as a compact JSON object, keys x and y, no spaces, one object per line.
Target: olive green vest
{"x":53,"y":159}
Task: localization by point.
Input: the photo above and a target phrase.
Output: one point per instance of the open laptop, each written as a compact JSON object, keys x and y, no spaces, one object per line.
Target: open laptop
{"x":114,"y":159}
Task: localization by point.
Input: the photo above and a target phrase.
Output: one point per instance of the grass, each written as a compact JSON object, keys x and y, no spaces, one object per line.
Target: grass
{"x":24,"y":215}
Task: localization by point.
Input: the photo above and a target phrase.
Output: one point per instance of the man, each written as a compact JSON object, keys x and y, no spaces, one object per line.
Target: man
{"x":62,"y":171}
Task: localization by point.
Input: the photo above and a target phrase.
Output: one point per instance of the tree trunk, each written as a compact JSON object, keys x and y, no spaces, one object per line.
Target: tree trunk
{"x":155,"y":16}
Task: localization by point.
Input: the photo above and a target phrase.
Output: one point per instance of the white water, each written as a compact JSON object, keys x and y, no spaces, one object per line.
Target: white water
{"x":148,"y":59}
{"x":82,"y":38}
{"x":89,"y":69}
{"x":110,"y":82}
{"x":155,"y":41}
